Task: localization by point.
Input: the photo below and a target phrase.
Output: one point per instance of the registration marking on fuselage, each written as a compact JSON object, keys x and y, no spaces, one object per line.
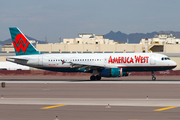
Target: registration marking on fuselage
{"x":166,"y":108}
{"x":52,"y":106}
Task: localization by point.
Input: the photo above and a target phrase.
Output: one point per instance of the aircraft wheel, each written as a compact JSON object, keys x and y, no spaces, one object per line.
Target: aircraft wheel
{"x":153,"y":78}
{"x":98,"y":77}
{"x":92,"y":77}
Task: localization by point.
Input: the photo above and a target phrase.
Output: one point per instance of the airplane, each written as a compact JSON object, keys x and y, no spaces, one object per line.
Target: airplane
{"x":99,"y":64}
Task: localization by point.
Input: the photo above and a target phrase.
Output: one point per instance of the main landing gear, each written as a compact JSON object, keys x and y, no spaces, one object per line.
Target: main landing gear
{"x":97,"y":77}
{"x":153,"y":77}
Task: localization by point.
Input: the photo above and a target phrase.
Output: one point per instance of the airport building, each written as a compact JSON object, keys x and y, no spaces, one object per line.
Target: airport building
{"x":90,"y":43}
{"x":161,"y":43}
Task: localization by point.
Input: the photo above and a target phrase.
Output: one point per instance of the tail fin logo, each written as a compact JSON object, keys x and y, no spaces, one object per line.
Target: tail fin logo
{"x":20,"y":43}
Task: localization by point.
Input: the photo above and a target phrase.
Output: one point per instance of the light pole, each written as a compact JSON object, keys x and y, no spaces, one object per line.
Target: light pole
{"x":59,"y":39}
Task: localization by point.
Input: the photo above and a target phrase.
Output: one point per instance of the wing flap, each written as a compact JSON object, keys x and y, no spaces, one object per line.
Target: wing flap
{"x":86,"y":64}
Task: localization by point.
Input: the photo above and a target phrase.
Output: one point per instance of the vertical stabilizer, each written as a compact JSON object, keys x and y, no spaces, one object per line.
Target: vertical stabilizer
{"x":21,"y":44}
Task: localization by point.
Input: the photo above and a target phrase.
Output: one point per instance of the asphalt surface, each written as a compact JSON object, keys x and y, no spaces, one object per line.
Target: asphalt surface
{"x":87,"y":90}
{"x":133,"y":98}
{"x":34,"y":112}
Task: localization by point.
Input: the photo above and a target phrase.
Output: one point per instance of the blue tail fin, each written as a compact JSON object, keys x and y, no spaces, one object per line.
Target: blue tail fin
{"x":21,"y":44}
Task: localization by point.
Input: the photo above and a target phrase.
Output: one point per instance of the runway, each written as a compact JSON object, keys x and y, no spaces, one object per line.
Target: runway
{"x":128,"y":99}
{"x":85,"y":79}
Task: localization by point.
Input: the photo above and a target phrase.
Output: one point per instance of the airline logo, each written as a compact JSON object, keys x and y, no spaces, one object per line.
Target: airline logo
{"x":135,"y":59}
{"x":20,"y":43}
{"x":63,"y":62}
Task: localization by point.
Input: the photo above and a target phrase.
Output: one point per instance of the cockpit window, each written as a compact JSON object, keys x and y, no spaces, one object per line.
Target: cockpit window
{"x":165,"y":58}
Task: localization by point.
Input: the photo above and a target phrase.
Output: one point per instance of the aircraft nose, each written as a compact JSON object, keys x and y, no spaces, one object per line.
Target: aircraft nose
{"x":173,"y":63}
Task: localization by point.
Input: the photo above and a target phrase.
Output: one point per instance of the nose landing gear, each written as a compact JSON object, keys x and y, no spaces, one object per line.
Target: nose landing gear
{"x":153,"y":76}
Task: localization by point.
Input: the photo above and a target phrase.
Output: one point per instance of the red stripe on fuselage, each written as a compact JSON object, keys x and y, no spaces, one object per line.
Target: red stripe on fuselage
{"x":117,"y":66}
{"x":146,"y":66}
{"x":57,"y":67}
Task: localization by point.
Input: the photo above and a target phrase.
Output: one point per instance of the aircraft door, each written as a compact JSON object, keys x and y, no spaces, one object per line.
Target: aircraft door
{"x":40,"y":60}
{"x":153,"y":59}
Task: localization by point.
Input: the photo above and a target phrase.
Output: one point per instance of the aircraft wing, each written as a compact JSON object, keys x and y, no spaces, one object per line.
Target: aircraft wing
{"x":88,"y":66}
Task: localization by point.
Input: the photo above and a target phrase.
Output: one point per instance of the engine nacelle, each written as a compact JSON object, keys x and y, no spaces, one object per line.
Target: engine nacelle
{"x":113,"y":72}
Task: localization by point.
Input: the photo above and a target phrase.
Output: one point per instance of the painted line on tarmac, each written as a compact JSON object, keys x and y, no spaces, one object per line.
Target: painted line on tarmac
{"x":98,"y":82}
{"x":52,"y":106}
{"x":57,"y":102}
{"x":166,"y":108}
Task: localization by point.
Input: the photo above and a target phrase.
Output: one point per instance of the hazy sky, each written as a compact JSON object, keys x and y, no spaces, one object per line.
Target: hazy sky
{"x":67,"y":18}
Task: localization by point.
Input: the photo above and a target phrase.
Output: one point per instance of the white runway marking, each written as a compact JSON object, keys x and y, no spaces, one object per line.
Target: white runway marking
{"x":92,"y":101}
{"x":99,"y":82}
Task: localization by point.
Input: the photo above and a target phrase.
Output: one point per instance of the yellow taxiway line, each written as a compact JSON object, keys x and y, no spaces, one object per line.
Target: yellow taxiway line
{"x":52,"y":106}
{"x":166,"y":108}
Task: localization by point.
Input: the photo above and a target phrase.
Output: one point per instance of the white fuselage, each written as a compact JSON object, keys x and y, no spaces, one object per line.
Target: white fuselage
{"x":70,"y":62}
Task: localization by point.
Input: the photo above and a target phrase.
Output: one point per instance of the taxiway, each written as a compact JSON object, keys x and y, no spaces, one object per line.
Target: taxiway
{"x":136,"y":97}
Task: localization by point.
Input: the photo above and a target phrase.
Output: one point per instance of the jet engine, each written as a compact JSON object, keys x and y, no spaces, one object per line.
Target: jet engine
{"x":113,"y":72}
